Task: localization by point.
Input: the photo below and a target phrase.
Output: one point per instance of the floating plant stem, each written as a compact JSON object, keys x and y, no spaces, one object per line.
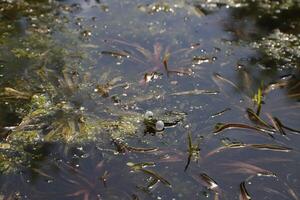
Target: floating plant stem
{"x":166,"y":67}
{"x":138,"y":166}
{"x":256,"y":119}
{"x":221,"y":126}
{"x":140,"y":149}
{"x":287,"y":128}
{"x":141,"y":166}
{"x":277,"y":124}
{"x":11,"y":94}
{"x":220,"y":80}
{"x":190,"y":151}
{"x":104,"y":178}
{"x":135,"y":197}
{"x":227,"y":146}
{"x":269,"y":147}
{"x":291,"y":192}
{"x":115,"y":53}
{"x":291,"y":129}
{"x":194,"y":92}
{"x":188,"y":162}
{"x":165,"y":62}
{"x":152,"y":183}
{"x":244,"y":195}
{"x":211,"y":184}
{"x":258,"y":100}
{"x":220,"y":113}
{"x":122,"y":147}
{"x":156,"y":176}
{"x":193,"y":150}
{"x":41,"y":173}
{"x":274,"y":86}
{"x":246,"y":168}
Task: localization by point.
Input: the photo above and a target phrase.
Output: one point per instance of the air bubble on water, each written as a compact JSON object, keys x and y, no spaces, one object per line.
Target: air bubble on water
{"x":86,"y":155}
{"x":50,"y":181}
{"x":159,"y":125}
{"x":148,"y":114}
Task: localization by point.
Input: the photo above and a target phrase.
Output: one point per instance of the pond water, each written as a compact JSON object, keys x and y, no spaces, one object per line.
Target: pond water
{"x":132,"y":99}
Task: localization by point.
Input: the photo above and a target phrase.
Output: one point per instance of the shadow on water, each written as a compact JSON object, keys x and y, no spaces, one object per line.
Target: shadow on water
{"x":149,"y":99}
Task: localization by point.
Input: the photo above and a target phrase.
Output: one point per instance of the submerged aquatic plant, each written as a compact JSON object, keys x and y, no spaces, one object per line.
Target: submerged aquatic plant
{"x":81,"y":173}
{"x":58,"y":116}
{"x":157,"y":59}
{"x":140,"y":167}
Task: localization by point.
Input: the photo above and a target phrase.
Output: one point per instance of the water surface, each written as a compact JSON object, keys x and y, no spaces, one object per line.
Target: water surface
{"x":77,"y":78}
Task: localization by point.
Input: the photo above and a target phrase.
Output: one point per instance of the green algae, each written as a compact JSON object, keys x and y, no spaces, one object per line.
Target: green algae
{"x":46,"y":122}
{"x":15,"y":151}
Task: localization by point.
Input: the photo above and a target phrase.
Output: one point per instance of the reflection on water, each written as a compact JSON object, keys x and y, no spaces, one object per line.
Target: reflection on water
{"x":219,"y":86}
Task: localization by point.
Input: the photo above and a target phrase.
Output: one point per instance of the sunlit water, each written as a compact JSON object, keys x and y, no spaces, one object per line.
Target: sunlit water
{"x":212,"y":74}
